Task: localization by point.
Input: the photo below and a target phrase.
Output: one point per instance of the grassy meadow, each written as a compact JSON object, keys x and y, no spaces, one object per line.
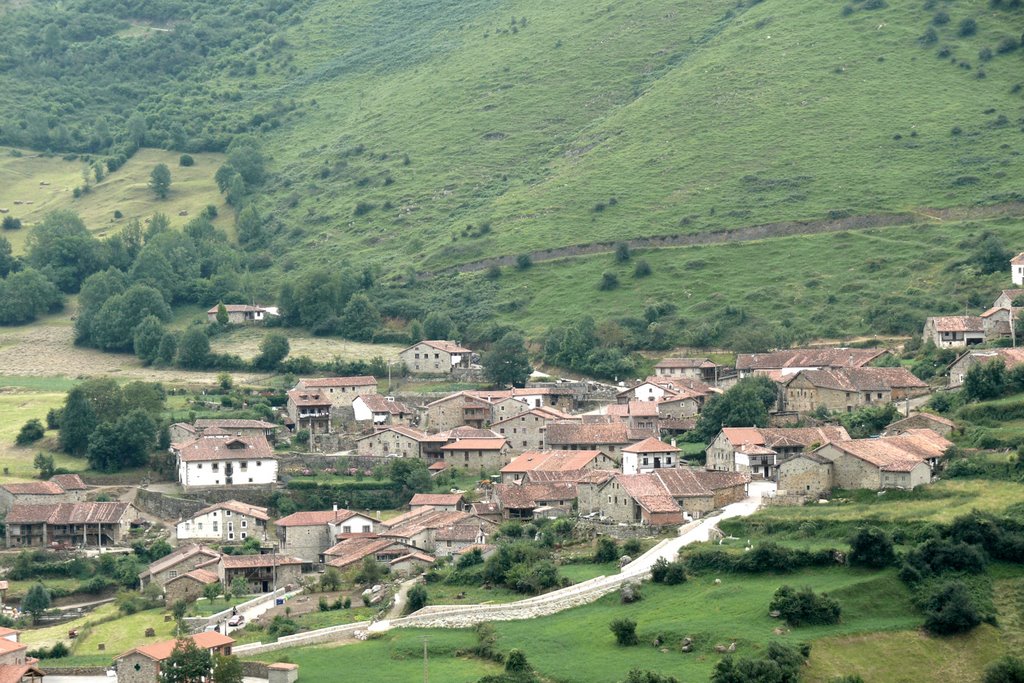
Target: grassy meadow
{"x":125,"y":190}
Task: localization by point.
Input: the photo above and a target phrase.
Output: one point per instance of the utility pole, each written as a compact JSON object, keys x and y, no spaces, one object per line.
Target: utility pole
{"x":426,"y":666}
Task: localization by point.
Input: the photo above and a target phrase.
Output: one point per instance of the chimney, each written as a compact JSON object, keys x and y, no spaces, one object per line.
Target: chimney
{"x":335,"y":507}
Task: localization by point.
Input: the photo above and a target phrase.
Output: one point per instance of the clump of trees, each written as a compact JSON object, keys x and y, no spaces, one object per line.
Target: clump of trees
{"x":746,"y":404}
{"x":805,"y":607}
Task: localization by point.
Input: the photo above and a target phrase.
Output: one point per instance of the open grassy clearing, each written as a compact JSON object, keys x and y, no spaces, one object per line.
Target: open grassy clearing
{"x":905,"y":657}
{"x":836,"y":285}
{"x":125,"y":190}
{"x":16,"y":408}
{"x":244,"y":341}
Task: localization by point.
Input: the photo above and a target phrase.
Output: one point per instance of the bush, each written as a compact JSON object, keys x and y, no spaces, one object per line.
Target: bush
{"x":632,"y":547}
{"x":629,"y":593}
{"x":1009,"y":669}
{"x":609,"y":281}
{"x":805,"y":607}
{"x":417,"y":597}
{"x":938,"y":556}
{"x":31,"y":432}
{"x":968,"y":27}
{"x":622,"y":252}
{"x":523,"y":261}
{"x":951,"y":610}
{"x":871,"y":547}
{"x":186,"y":160}
{"x":516,"y":662}
{"x":607,"y":550}
{"x":641,"y":269}
{"x":767,"y":557}
{"x":10,"y":223}
{"x":625,"y":631}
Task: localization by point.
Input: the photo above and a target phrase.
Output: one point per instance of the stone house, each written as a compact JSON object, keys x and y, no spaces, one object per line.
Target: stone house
{"x":15,"y":664}
{"x":792,"y":361}
{"x":1007,"y":297}
{"x":477,"y":454}
{"x":805,"y":474}
{"x":733,"y":449}
{"x":844,"y":390}
{"x":183,"y":560}
{"x":188,"y":586}
{"x":449,"y":502}
{"x":310,"y":410}
{"x":657,"y":388}
{"x":74,"y":524}
{"x":695,"y":368}
{"x":954,"y":331}
{"x":142,"y":665}
{"x":377,"y":411}
{"x":958,"y":369}
{"x":609,"y":438}
{"x":306,"y":535}
{"x":261,"y":573}
{"x":904,"y":461}
{"x":526,"y":430}
{"x":340,"y":391}
{"x":396,"y":440}
{"x":451,"y":540}
{"x":998,"y":322}
{"x":639,"y":416}
{"x":678,"y":407}
{"x":60,"y":488}
{"x":435,"y":357}
{"x":225,"y":461}
{"x":242,"y":314}
{"x":419,"y":527}
{"x":350,"y":553}
{"x":526,"y":500}
{"x":456,"y":410}
{"x":938,"y":424}
{"x":229,"y":522}
{"x":562,"y":464}
{"x":662,"y":497}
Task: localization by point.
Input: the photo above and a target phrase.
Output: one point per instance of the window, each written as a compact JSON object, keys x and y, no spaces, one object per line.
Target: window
{"x":215,"y":466}
{"x":346,"y":529}
{"x":227,"y":513}
{"x":199,"y":466}
{"x":215,"y":527}
{"x":244,"y":535}
{"x":231,"y":526}
{"x":199,"y":525}
{"x":250,"y":480}
{"x":524,"y":444}
{"x":231,"y":537}
{"x":366,"y":528}
{"x":245,"y":524}
{"x":172,"y":573}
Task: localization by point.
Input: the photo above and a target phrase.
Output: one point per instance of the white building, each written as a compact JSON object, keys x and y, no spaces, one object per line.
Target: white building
{"x":649,"y":455}
{"x":219,"y":461}
{"x":1017,"y":269}
{"x":227,"y":522}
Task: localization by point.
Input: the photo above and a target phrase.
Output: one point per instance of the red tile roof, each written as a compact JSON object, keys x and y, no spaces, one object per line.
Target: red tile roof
{"x":957,"y":323}
{"x":228,"y":425}
{"x":205,"y":449}
{"x":180,"y":554}
{"x":247,"y":561}
{"x":808,"y":358}
{"x":896,"y":453}
{"x":442,"y":345}
{"x":1018,"y":260}
{"x":861,"y":379}
{"x":303,"y":397}
{"x":651,"y":445}
{"x":436,"y":499}
{"x":685,"y":363}
{"x":528,"y":496}
{"x":68,"y":513}
{"x":383,"y":404}
{"x":207,"y":640}
{"x":237,"y":308}
{"x":34,"y":488}
{"x":316,"y":517}
{"x":776,"y":437}
{"x":200,"y":575}
{"x":69,"y":482}
{"x":551,"y":461}
{"x":476,"y":445}
{"x":574,"y":433}
{"x":236,"y":506}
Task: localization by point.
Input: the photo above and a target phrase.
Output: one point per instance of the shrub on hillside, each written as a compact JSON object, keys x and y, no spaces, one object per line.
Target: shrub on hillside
{"x":767,"y":557}
{"x":30,"y":432}
{"x":609,"y":281}
{"x":625,"y":631}
{"x":780,"y":664}
{"x":951,"y":609}
{"x":935,"y":557}
{"x":607,"y":550}
{"x":871,"y":547}
{"x":805,"y":607}
{"x":1009,"y":669}
{"x":668,"y":573}
{"x":641,"y":269}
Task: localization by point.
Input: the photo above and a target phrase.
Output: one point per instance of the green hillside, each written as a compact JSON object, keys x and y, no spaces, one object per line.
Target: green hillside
{"x":419,"y":137}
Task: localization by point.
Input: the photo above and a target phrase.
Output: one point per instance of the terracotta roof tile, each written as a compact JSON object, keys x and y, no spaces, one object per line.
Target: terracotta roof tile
{"x":68,"y":513}
{"x":205,"y":449}
{"x":476,"y":445}
{"x":957,"y":323}
{"x":316,"y":517}
{"x":574,"y":433}
{"x":69,"y":482}
{"x":551,"y":461}
{"x":335,"y":382}
{"x":861,"y":379}
{"x":685,"y":363}
{"x":436,"y":499}
{"x":236,"y":506}
{"x":651,"y":445}
{"x":229,"y":424}
{"x":244,"y":561}
{"x":206,"y":640}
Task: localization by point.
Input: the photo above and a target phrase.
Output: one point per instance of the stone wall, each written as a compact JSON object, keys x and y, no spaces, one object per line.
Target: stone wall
{"x":166,"y":507}
{"x":622,"y":533}
{"x":319,"y":461}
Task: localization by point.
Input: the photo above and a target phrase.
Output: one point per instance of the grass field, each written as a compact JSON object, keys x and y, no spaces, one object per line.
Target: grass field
{"x":18,"y":406}
{"x":245,"y":341}
{"x":125,"y":190}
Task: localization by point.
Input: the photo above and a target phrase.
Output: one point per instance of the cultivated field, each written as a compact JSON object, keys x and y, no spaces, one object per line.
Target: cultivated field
{"x":22,"y":180}
{"x":245,"y":342}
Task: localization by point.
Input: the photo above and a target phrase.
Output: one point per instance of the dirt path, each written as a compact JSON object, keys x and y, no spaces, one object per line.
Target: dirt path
{"x":759,"y":232}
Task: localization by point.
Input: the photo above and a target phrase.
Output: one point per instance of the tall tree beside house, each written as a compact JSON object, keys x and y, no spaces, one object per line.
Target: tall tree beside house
{"x":77,"y":422}
{"x":437,"y":325}
{"x":507,"y":361}
{"x":227,"y":669}
{"x":160,"y":181}
{"x":746,"y":404}
{"x":146,"y":338}
{"x":222,"y":314}
{"x":168,"y":349}
{"x":114,"y":446}
{"x":188,"y":663}
{"x":360,"y":318}
{"x":194,"y":349}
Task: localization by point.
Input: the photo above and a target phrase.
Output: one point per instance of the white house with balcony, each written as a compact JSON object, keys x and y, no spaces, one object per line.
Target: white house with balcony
{"x":219,"y":461}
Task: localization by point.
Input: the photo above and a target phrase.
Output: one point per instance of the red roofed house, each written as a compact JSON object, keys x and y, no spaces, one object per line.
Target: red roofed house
{"x":905,"y":461}
{"x":184,"y":559}
{"x":608,"y":437}
{"x":450,"y":502}
{"x":77,"y":524}
{"x":15,"y":664}
{"x":142,"y":665}
{"x":310,"y":409}
{"x":791,"y":361}
{"x":958,"y":369}
{"x":649,"y":455}
{"x":757,"y":450}
{"x":478,"y":454}
{"x":567,"y":463}
{"x":844,"y":390}
{"x":225,"y":461}
{"x":526,"y":431}
{"x":938,"y":424}
{"x":261,"y":573}
{"x":307,"y":534}
{"x":189,"y":586}
{"x":525,"y":500}
{"x":229,"y":522}
{"x":401,"y":441}
{"x":953,"y":331}
{"x":340,"y":391}
{"x":435,"y":357}
{"x":380,"y":410}
{"x":694,"y":368}
{"x":61,"y":488}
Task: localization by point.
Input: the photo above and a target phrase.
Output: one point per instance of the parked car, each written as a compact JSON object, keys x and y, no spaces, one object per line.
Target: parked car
{"x":237,"y":620}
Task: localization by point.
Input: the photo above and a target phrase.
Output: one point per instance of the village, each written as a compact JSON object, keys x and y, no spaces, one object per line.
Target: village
{"x":569,"y":461}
